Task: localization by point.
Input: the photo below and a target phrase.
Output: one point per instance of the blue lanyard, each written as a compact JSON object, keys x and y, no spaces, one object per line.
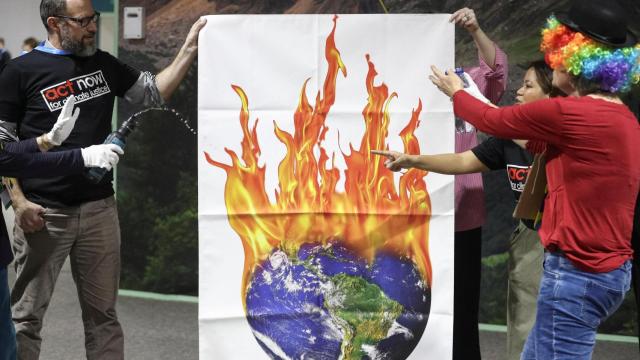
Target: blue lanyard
{"x":52,"y":50}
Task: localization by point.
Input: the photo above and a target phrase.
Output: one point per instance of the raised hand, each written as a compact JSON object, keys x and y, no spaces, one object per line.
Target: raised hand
{"x":191,"y":41}
{"x":65,"y":123}
{"x":466,"y":18}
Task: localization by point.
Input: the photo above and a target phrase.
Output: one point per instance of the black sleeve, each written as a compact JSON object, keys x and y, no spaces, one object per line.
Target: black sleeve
{"x":126,"y":76}
{"x":24,"y":165}
{"x":24,"y":146}
{"x":12,"y":98}
{"x":491,"y":153}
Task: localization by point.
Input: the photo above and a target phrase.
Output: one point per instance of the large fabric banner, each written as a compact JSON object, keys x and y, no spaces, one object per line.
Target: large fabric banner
{"x":309,"y":247}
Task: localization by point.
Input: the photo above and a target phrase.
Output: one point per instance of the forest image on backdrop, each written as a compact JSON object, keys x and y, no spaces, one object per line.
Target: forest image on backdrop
{"x":157,"y":180}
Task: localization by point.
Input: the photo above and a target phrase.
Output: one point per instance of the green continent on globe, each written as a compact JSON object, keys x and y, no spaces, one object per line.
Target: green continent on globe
{"x":363,"y":311}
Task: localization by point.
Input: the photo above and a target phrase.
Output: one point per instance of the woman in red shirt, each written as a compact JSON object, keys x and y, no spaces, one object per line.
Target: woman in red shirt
{"x":525,"y":251}
{"x":593,"y":171}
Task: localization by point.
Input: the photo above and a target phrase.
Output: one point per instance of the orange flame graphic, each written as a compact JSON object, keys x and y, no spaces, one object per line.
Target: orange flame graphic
{"x":368,"y":216}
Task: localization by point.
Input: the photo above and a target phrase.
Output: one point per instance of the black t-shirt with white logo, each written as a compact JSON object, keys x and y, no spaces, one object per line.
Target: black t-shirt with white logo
{"x":498,"y":154}
{"x":33,"y":90}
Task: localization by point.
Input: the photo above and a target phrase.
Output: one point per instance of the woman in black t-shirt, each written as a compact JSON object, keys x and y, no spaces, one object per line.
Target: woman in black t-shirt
{"x":525,"y":250}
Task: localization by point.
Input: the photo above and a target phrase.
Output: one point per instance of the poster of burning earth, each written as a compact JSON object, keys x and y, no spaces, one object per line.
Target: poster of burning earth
{"x":309,"y":247}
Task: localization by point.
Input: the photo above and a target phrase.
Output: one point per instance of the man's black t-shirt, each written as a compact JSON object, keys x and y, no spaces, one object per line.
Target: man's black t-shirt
{"x":497,"y":154}
{"x":34,"y":88}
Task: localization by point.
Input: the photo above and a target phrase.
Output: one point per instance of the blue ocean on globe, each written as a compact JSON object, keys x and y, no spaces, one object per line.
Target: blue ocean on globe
{"x":326,"y":302}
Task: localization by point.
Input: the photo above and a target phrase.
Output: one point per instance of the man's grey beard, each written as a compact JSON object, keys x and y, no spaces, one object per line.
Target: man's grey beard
{"x":76,"y":47}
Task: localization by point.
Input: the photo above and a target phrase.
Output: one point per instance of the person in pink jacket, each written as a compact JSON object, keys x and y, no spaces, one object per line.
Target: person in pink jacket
{"x":491,"y":77}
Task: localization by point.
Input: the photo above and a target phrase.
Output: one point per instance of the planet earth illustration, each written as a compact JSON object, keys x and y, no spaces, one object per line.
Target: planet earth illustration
{"x":325,"y":301}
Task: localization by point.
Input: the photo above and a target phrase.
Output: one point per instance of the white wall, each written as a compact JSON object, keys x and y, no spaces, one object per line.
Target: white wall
{"x":108,"y":33}
{"x":20,"y":19}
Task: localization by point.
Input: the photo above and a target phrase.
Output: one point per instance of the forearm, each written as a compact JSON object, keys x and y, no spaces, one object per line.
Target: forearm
{"x":539,"y":120}
{"x":39,"y":144}
{"x":449,"y":164}
{"x":168,"y":79}
{"x":29,"y":216}
{"x":475,"y":112}
{"x":486,"y":47}
{"x":32,"y":165}
{"x":15,"y":191}
{"x":22,"y":146}
{"x":36,"y":165}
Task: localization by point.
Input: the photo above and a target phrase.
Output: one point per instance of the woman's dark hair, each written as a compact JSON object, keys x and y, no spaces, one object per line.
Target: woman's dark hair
{"x":544,"y":75}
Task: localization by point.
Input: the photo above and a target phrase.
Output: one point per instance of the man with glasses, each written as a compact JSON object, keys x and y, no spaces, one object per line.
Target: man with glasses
{"x":70,"y":216}
{"x":79,"y":39}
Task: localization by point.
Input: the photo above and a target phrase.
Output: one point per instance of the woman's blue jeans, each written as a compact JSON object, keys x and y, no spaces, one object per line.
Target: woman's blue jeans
{"x":571,"y":305}
{"x":7,"y":331}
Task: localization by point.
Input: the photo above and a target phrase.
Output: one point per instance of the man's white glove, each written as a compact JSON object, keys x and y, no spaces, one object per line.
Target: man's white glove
{"x":66,"y":121}
{"x":104,"y":156}
{"x":473,"y":89}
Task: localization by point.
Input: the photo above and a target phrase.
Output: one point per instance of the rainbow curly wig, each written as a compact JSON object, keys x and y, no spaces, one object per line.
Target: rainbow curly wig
{"x":616,"y":69}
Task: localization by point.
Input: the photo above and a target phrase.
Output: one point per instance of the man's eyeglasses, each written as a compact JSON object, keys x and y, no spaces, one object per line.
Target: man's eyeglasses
{"x":84,"y":21}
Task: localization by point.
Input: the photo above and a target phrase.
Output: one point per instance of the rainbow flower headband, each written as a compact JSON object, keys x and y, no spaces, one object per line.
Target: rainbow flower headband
{"x":616,"y":69}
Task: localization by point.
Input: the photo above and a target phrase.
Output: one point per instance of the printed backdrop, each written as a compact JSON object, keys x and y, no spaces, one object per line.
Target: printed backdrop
{"x":309,"y":247}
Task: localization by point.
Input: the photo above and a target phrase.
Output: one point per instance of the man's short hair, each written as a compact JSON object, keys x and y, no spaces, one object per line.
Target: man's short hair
{"x":49,"y":8}
{"x":2,"y":41}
